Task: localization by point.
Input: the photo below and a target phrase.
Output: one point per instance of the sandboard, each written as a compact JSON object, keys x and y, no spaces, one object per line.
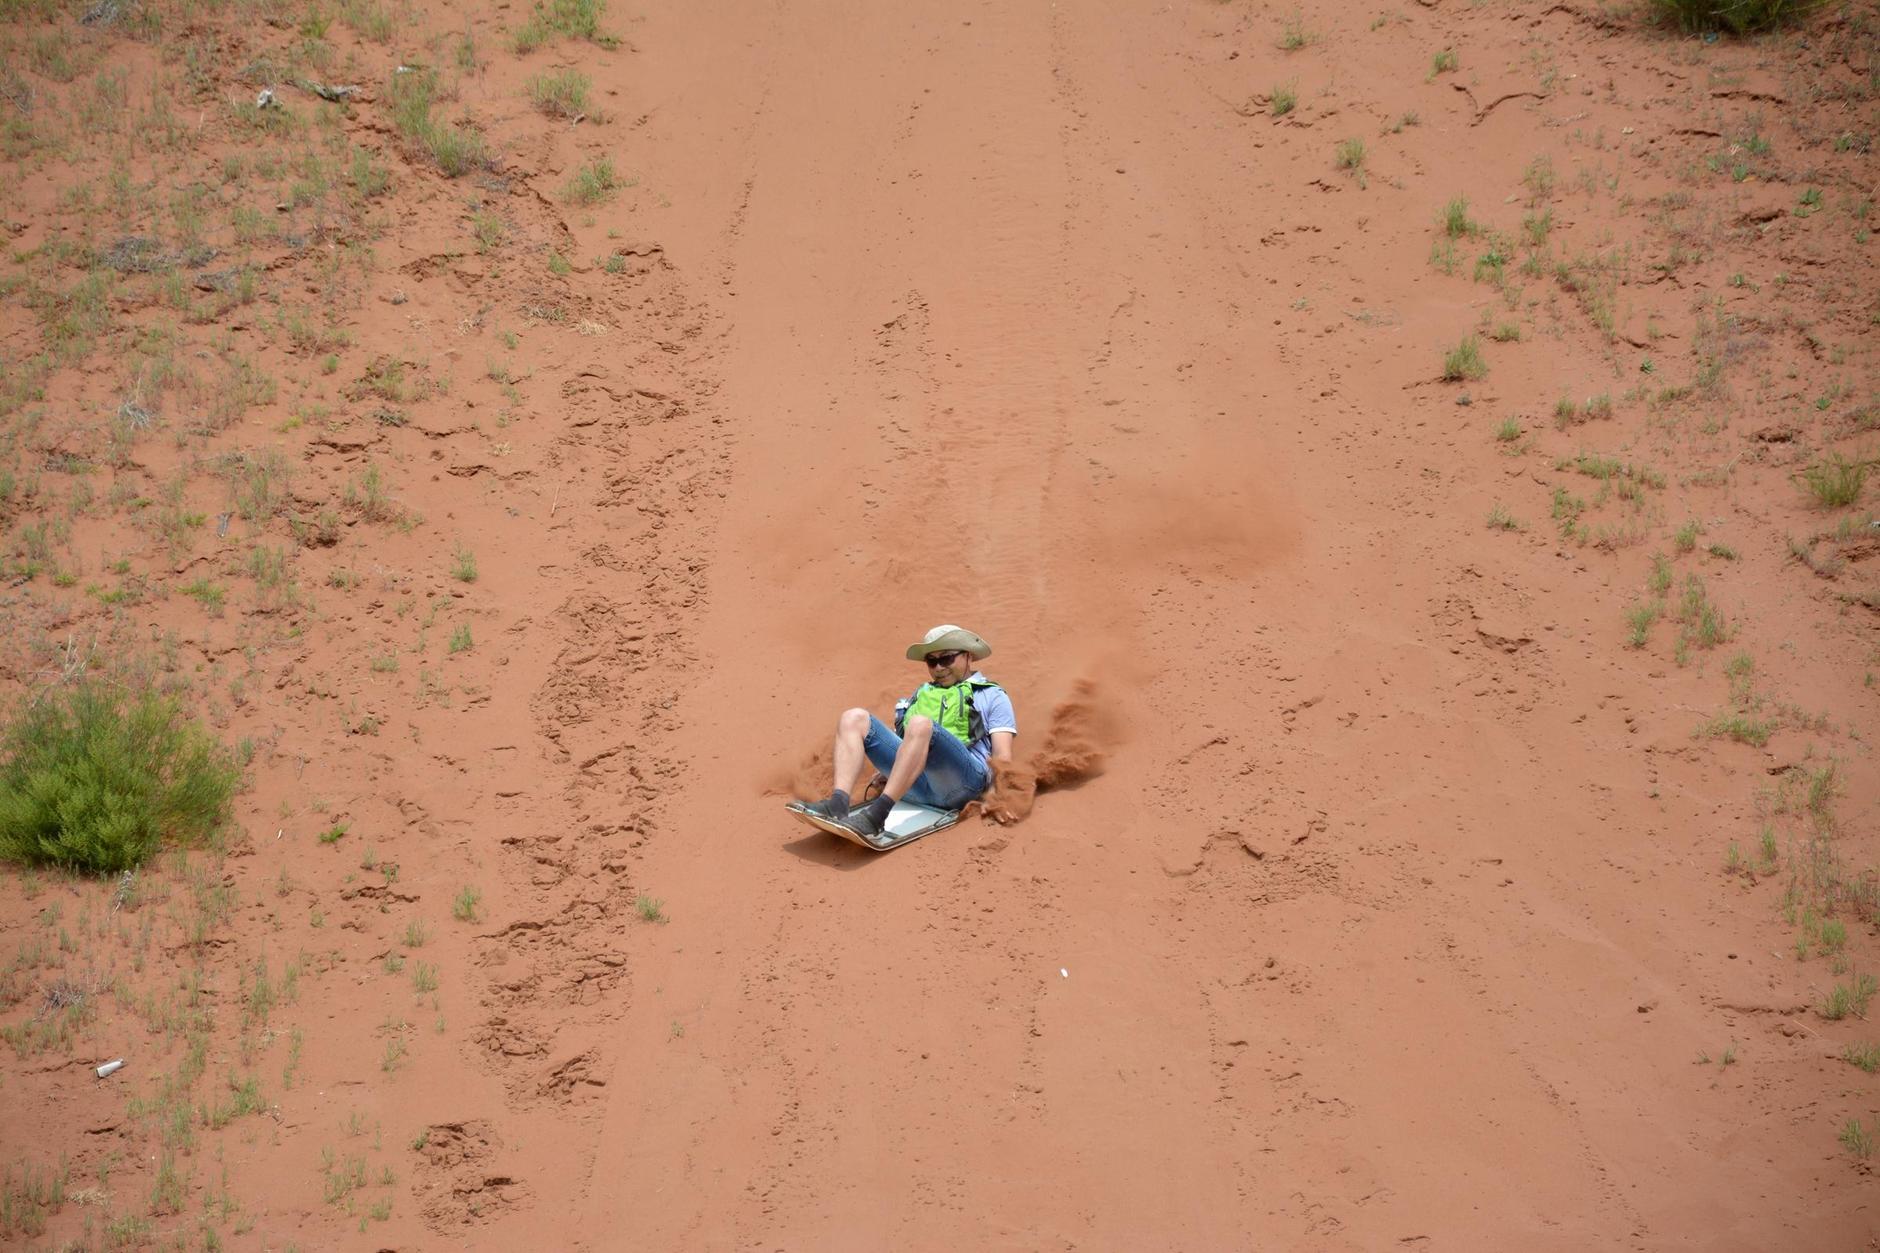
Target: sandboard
{"x":907,"y":822}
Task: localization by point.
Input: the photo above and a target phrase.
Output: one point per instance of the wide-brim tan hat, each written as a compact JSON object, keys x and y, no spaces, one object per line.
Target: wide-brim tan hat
{"x":943,"y":639}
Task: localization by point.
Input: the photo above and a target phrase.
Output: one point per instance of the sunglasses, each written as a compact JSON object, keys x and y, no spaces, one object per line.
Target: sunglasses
{"x":944,"y":659}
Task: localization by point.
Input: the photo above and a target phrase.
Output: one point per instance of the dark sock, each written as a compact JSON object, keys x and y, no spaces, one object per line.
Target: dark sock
{"x":839,"y":803}
{"x":879,"y":808}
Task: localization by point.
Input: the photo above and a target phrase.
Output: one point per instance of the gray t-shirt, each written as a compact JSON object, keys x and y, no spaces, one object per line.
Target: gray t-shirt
{"x":995,"y":713}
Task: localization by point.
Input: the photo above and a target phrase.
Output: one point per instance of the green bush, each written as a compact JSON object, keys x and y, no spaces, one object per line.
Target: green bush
{"x":1739,"y":17}
{"x":94,"y":778}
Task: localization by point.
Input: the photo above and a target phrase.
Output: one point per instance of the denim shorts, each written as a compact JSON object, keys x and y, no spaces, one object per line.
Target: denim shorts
{"x":954,"y":773}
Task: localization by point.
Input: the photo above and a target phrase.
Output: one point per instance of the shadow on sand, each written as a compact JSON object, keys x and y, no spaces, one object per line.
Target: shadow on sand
{"x":828,"y":850}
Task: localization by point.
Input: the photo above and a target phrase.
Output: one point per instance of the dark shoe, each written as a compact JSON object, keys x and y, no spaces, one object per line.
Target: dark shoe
{"x":824,"y":809}
{"x":864,"y":821}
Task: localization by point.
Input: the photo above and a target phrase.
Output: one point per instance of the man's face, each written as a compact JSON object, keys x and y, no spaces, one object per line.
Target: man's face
{"x":944,"y":669}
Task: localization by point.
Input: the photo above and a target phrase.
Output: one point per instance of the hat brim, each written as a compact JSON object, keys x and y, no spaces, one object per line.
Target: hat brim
{"x":964,"y":641}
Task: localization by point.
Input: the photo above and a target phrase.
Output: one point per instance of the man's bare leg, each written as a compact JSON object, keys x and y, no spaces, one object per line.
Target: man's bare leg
{"x":912,"y":759}
{"x":851,"y":730}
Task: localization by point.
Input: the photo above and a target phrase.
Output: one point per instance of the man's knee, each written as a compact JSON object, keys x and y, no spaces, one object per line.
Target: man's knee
{"x":918,"y":727}
{"x":855,"y":720}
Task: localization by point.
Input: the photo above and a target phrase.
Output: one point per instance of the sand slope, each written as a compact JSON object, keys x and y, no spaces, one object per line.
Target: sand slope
{"x":1397,"y":915}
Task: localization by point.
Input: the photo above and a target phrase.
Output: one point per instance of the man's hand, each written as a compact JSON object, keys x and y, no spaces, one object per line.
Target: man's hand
{"x":1009,"y":797}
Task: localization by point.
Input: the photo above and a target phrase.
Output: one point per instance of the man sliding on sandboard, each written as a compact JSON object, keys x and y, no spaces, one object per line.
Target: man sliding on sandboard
{"x":947,"y":740}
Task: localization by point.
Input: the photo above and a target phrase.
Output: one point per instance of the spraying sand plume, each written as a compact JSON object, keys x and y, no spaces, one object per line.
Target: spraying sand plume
{"x":1075,"y":749}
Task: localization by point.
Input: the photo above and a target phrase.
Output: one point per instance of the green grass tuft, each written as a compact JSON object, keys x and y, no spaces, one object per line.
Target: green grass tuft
{"x":562,"y":93}
{"x":1848,"y":998}
{"x":1704,"y":622}
{"x":1866,"y":1056}
{"x":1836,"y":481}
{"x":1638,"y":622}
{"x":1294,"y":35}
{"x":1464,"y":361}
{"x":1857,"y":1139}
{"x":1455,"y":219}
{"x":457,"y":150}
{"x":576,"y":19}
{"x":1499,"y":519}
{"x":594,"y":182}
{"x":1349,"y":155}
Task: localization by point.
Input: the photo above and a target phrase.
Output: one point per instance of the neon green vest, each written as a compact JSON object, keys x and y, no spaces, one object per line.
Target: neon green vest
{"x":949,"y":707}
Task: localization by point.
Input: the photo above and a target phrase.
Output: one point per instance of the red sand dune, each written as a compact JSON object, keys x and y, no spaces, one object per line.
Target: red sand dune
{"x":1374,"y":890}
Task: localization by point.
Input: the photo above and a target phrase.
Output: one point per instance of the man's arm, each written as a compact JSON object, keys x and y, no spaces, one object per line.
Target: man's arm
{"x":1002,"y":747}
{"x":1008,"y":799}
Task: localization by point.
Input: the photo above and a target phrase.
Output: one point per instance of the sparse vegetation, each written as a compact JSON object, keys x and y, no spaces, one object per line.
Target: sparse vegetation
{"x":1349,"y":155}
{"x":1538,"y":178}
{"x":488,"y":230}
{"x":1464,"y":361}
{"x":593,"y":182}
{"x":230,"y":365}
{"x":574,"y":19}
{"x":1857,"y":1140}
{"x":209,"y":595}
{"x":413,"y":94}
{"x":1293,"y":34}
{"x":1568,"y":412}
{"x":1638,"y":621}
{"x":1455,"y":219}
{"x":1849,"y":997}
{"x":1835,"y":482}
{"x":1741,"y":727}
{"x":1865,"y":1055}
{"x":560,"y":93}
{"x":1704,"y":624}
